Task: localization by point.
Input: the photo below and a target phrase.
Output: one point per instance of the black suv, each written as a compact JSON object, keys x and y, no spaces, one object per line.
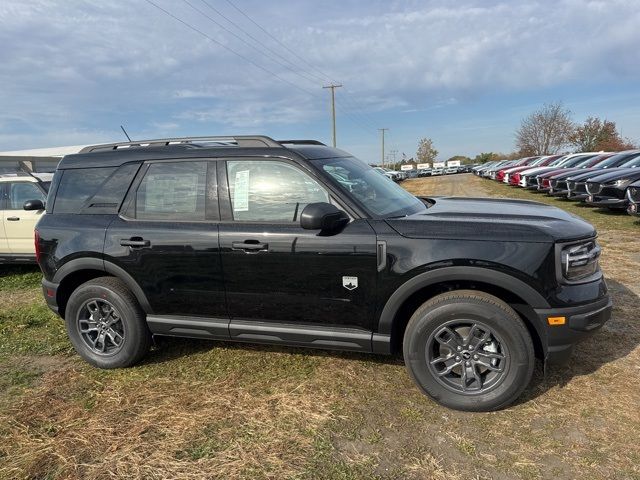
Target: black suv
{"x":296,"y":243}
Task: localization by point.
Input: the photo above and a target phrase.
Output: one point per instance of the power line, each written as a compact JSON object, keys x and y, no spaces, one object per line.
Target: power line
{"x":304,"y":61}
{"x":200,"y":32}
{"x":245,"y":58}
{"x":261,"y":47}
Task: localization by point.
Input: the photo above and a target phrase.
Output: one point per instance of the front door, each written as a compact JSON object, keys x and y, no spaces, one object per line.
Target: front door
{"x":274,"y":270}
{"x":19,"y":223}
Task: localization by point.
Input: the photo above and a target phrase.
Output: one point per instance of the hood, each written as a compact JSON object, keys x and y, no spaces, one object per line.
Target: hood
{"x":537,"y":170}
{"x":570,"y":172}
{"x":616,"y":174}
{"x":492,"y":219}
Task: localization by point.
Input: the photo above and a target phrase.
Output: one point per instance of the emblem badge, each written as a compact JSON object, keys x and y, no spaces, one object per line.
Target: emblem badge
{"x":350,"y":283}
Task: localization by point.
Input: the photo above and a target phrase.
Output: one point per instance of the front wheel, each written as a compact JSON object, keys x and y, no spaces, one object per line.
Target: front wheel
{"x":469,"y":351}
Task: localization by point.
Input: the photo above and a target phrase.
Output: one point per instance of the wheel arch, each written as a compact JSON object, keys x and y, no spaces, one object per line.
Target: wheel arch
{"x":419,"y":289}
{"x":76,"y":272}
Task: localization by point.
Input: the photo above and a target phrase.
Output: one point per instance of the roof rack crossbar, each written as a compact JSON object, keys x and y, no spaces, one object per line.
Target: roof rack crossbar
{"x":300,"y":142}
{"x":236,"y":140}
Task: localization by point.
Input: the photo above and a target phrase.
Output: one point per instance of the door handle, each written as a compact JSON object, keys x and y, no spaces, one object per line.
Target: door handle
{"x":134,"y":242}
{"x":13,"y":219}
{"x":250,"y":246}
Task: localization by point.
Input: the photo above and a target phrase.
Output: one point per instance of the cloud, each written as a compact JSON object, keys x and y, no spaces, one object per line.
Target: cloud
{"x":89,"y":66}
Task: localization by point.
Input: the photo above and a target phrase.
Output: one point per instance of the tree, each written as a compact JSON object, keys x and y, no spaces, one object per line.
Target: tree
{"x":426,"y":153}
{"x":545,"y":131}
{"x":599,"y":135}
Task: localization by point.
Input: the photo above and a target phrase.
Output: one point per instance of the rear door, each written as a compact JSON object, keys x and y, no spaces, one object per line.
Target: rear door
{"x":166,"y":238}
{"x":19,"y":223}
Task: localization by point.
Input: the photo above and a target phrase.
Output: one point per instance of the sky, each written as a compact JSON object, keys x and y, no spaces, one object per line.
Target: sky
{"x":463,"y":73}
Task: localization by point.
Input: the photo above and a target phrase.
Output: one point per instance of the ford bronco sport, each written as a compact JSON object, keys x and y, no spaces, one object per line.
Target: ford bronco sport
{"x":295,"y":243}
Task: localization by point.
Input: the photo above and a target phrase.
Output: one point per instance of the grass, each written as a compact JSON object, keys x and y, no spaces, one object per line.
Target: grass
{"x":196,"y":409}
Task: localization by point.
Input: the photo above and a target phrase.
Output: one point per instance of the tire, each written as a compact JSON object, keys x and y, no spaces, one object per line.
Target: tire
{"x":465,"y":368}
{"x":124,"y":332}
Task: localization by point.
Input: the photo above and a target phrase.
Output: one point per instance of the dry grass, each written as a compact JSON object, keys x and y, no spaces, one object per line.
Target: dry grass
{"x":200,"y":410}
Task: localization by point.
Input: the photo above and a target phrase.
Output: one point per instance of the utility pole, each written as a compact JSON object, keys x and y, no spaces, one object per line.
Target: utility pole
{"x":333,"y":108}
{"x":382,"y":130}
{"x":392,"y":154}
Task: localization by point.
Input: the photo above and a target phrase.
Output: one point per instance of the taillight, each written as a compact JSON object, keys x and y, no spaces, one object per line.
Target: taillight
{"x":36,"y":239}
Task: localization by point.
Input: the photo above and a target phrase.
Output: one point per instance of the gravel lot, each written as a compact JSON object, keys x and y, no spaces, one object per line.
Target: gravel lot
{"x":197,"y":409}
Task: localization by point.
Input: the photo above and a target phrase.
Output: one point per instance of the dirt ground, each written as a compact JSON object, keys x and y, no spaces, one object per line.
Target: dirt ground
{"x":199,"y":410}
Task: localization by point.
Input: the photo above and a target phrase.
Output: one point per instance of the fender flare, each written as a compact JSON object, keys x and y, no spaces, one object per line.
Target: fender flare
{"x":79,"y":264}
{"x":447,"y":274}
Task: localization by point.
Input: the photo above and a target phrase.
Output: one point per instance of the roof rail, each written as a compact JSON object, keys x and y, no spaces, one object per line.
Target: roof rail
{"x":238,"y":140}
{"x":300,"y":142}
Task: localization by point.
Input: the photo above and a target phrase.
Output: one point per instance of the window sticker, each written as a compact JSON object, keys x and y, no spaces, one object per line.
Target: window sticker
{"x":241,"y":192}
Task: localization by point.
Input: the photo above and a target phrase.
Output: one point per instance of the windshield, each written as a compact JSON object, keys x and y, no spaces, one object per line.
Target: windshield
{"x":576,"y":161}
{"x":633,"y":163}
{"x":375,"y":193}
{"x":616,"y":160}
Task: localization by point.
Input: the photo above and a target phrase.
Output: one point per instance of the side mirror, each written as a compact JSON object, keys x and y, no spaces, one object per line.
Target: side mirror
{"x":33,"y":205}
{"x":324,"y":217}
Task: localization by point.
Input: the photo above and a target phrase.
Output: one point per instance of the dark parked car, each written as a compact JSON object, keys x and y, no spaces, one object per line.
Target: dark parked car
{"x":577,"y":184}
{"x":296,"y":243}
{"x":609,"y":190}
{"x":633,"y":195}
{"x":558,"y":180}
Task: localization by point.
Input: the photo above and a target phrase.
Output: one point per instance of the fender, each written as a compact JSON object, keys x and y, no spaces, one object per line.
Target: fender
{"x":108,"y":267}
{"x":447,"y":274}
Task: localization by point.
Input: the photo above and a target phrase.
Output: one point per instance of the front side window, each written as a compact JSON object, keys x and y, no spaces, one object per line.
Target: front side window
{"x":270,"y":191}
{"x":21,"y":192}
{"x":373,"y":191}
{"x":172,"y":191}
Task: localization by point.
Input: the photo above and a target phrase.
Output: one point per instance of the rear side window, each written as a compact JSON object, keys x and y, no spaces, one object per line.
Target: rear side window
{"x":172,"y":191}
{"x":76,"y":186}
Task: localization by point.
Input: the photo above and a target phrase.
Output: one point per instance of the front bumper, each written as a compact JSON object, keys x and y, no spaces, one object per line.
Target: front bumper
{"x":581,"y":322}
{"x":558,"y":193}
{"x":606,"y":202}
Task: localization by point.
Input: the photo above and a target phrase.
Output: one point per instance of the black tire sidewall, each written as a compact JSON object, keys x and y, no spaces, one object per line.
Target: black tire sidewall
{"x":511,"y":331}
{"x":129,"y":314}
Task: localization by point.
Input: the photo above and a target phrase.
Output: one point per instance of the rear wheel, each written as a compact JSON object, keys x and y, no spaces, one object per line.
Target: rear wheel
{"x":469,"y":351}
{"x":106,"y":325}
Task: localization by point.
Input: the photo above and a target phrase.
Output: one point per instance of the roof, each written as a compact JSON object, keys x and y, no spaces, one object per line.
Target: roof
{"x":114,"y":155}
{"x":43,"y":152}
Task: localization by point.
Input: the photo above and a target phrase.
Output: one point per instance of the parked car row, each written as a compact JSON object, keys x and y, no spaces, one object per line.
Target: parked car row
{"x":608,"y":180}
{"x":394,"y":175}
{"x":429,"y":172}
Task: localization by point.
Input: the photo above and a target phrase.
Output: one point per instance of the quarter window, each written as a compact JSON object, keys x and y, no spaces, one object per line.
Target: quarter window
{"x":21,"y":192}
{"x":270,"y":191}
{"x":173,"y":191}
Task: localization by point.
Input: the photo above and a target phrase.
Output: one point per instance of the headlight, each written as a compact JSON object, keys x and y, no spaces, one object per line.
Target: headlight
{"x":622,"y":183}
{"x":581,"y":260}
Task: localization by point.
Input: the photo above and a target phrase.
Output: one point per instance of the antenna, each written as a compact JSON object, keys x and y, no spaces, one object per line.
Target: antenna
{"x":125,"y":132}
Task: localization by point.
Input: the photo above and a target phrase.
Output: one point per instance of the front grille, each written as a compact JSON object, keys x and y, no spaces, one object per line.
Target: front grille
{"x":581,"y":187}
{"x":553,"y":183}
{"x":561,"y":185}
{"x":539,"y":180}
{"x":593,"y":188}
{"x":571,"y":185}
{"x":634,"y":194}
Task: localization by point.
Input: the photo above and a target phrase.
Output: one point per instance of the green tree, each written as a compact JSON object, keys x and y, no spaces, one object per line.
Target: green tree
{"x":461,"y":158}
{"x":426,"y":153}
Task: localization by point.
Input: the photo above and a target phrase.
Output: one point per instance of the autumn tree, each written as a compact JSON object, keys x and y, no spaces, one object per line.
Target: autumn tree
{"x":460,"y":158}
{"x":599,"y":135}
{"x":426,"y":153}
{"x":545,"y":131}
